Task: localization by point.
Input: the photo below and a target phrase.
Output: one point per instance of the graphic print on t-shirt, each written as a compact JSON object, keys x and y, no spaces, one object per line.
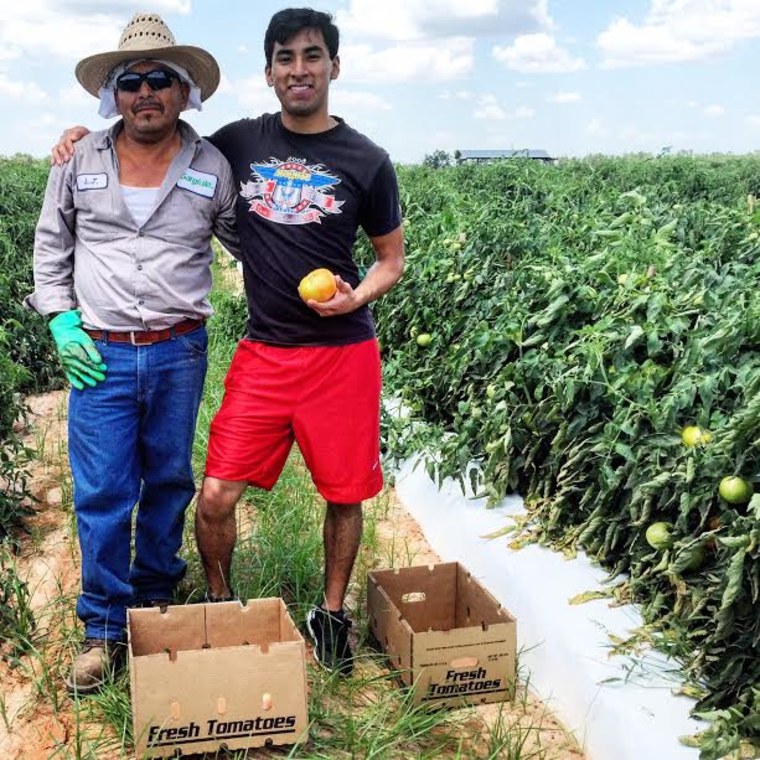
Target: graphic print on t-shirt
{"x":290,"y":192}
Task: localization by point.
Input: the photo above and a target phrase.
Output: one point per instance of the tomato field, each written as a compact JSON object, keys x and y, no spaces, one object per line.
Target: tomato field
{"x":26,"y":352}
{"x":558,"y":327}
{"x":584,"y":334}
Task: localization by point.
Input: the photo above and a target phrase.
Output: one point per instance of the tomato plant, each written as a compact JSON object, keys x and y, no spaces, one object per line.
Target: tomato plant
{"x":592,"y":311}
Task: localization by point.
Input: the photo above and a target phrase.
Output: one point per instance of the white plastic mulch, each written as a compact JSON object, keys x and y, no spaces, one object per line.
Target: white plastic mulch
{"x":619,"y":708}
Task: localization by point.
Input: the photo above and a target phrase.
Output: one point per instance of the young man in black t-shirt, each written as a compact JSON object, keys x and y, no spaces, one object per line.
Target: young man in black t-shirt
{"x":308,"y":372}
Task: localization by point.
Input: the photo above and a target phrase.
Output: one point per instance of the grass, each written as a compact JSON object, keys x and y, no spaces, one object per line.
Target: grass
{"x":17,"y":621}
{"x":279,"y":553}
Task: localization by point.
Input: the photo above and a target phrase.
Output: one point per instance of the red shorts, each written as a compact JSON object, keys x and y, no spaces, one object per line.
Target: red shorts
{"x":326,"y":398}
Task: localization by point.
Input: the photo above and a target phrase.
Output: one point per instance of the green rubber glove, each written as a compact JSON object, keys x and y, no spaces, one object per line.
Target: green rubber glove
{"x":81,"y":361}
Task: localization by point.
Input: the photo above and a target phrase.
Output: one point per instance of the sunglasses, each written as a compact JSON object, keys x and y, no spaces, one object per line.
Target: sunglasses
{"x":158,"y":79}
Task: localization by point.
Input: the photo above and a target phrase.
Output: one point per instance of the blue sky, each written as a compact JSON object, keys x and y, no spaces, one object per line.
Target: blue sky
{"x":572,"y":77}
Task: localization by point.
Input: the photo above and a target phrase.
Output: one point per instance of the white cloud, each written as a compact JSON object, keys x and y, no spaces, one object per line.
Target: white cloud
{"x":347,"y":101}
{"x":417,"y":62}
{"x":70,"y":29}
{"x":631,"y":135}
{"x":564,"y":97}
{"x":458,"y":95}
{"x":254,"y":95}
{"x":242,"y":49}
{"x":26,"y":92}
{"x":524,"y":112}
{"x":683,"y":137}
{"x":428,"y":19}
{"x":490,"y":109}
{"x":537,"y":54}
{"x":119,"y":7}
{"x":225,"y":85}
{"x":75,"y":95}
{"x":596,"y":128}
{"x":754,"y":120}
{"x":679,"y":30}
{"x":44,"y":120}
{"x":443,"y":137}
{"x":714,"y":111}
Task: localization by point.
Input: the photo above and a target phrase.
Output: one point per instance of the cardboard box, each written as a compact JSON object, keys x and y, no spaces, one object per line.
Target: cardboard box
{"x":450,"y":640}
{"x":203,"y":676}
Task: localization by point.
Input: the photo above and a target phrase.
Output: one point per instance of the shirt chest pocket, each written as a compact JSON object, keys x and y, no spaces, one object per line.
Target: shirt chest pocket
{"x":192,"y":215}
{"x":92,"y":194}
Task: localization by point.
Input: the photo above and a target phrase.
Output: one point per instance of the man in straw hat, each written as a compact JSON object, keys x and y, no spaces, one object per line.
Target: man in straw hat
{"x":122,"y":265}
{"x":308,"y":371}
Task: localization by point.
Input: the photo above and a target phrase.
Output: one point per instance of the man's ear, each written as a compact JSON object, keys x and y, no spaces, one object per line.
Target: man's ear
{"x":335,"y":70}
{"x":268,"y":75}
{"x":185,"y":93}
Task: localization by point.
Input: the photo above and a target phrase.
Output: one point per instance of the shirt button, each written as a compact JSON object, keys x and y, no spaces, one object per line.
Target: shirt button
{"x":139,"y":267}
{"x":141,"y":302}
{"x":140,"y":233}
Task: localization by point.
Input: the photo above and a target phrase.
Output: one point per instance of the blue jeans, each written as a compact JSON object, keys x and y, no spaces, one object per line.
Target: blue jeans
{"x":130,"y":442}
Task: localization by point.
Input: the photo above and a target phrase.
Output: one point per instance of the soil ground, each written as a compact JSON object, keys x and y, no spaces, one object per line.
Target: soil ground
{"x":41,"y":723}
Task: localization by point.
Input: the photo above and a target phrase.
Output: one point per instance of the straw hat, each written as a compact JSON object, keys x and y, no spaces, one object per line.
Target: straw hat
{"x":147,"y":36}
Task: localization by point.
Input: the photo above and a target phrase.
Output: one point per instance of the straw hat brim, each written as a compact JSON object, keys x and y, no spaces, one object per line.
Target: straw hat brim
{"x":202,"y":66}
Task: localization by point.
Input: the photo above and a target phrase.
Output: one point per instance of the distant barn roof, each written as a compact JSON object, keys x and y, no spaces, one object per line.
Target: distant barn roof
{"x":490,"y":155}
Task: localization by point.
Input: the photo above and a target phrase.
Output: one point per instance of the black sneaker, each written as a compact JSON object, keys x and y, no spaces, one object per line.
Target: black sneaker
{"x":329,"y":632}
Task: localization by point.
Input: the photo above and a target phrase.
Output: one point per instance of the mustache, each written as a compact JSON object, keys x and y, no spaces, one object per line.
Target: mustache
{"x":146,"y":104}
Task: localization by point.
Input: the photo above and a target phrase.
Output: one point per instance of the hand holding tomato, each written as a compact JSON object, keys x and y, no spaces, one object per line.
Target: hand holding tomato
{"x":319,"y":285}
{"x":325,"y":296}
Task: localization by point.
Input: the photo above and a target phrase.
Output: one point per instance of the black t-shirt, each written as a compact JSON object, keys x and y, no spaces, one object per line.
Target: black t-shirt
{"x":301,"y":201}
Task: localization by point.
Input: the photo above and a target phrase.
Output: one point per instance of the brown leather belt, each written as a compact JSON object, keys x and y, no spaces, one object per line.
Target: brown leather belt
{"x":146,"y":337}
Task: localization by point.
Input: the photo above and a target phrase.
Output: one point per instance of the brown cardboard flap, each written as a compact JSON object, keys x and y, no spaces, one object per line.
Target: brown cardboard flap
{"x":475,"y":606}
{"x":230,"y":624}
{"x":391,"y":631}
{"x":425,"y":596}
{"x":176,"y":627}
{"x":288,"y":629}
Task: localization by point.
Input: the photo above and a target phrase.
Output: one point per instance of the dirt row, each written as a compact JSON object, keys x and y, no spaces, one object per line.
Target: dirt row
{"x":39,"y":720}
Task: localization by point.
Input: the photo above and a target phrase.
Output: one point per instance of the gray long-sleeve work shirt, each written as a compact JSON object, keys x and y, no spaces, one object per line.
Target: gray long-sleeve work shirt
{"x":90,"y":254}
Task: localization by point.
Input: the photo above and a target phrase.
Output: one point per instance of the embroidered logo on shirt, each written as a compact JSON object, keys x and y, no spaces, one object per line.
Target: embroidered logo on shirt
{"x":199,"y":183}
{"x":289,"y":192}
{"x":92,"y":181}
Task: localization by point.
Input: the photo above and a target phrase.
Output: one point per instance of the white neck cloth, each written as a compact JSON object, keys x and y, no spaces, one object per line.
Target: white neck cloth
{"x":107,"y":94}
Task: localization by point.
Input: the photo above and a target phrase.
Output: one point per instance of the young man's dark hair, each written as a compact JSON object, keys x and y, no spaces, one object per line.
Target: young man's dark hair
{"x":286,"y":24}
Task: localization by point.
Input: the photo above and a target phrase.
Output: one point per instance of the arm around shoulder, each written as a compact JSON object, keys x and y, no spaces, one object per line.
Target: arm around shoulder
{"x":225,"y":225}
{"x":63,"y":150}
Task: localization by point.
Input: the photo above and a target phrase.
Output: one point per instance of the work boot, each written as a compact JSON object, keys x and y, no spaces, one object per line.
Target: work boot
{"x":329,"y":632}
{"x":95,"y":664}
